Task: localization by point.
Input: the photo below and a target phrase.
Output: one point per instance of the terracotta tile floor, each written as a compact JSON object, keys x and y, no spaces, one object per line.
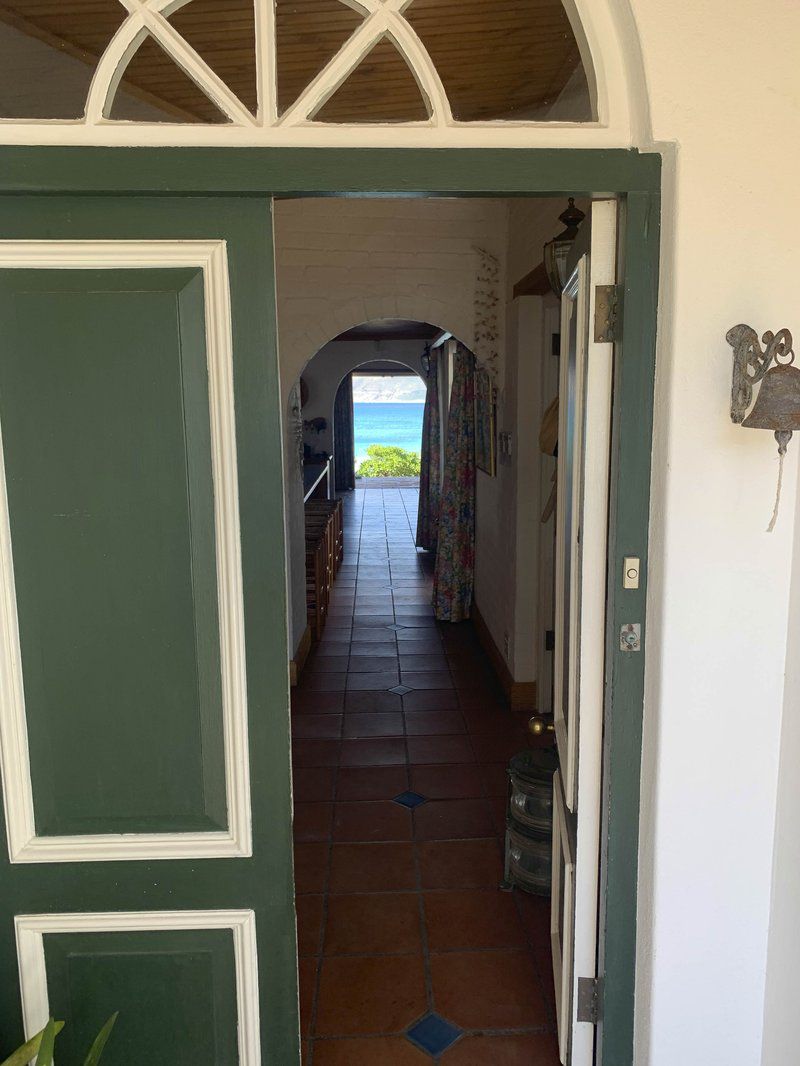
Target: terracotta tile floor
{"x":399,"y":913}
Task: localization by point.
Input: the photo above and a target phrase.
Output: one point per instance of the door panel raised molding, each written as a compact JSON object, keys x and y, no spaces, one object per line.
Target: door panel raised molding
{"x":124,"y":716}
{"x":194,"y":970}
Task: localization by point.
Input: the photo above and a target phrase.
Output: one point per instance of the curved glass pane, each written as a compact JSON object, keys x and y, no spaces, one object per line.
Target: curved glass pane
{"x":515,"y":60}
{"x":154,"y":80}
{"x":506,"y":59}
{"x":223,"y":33}
{"x":309,"y":34}
{"x":48,"y":53}
{"x":380,"y":89}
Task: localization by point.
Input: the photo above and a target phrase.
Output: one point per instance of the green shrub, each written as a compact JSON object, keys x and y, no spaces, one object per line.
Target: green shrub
{"x":386,"y":460}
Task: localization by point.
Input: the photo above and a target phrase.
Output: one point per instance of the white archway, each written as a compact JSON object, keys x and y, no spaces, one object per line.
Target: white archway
{"x":336,"y":359}
{"x":299,"y":346}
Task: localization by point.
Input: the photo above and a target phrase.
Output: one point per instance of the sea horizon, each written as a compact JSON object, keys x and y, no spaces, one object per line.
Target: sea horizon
{"x":397,"y":424}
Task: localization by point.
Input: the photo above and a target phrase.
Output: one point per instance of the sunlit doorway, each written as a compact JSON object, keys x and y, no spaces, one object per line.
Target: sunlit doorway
{"x":387,"y":426}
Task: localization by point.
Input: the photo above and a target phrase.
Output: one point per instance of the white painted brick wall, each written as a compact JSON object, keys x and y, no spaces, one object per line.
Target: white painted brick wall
{"x":343,"y":262}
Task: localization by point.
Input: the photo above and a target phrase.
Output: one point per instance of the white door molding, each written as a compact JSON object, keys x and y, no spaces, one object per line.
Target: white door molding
{"x":587,"y":367}
{"x":23,"y":843}
{"x":31,"y":930}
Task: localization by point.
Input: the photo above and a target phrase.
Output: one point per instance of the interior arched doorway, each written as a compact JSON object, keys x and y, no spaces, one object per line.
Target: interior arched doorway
{"x":378,"y":403}
{"x":380,"y":348}
{"x":310,"y":427}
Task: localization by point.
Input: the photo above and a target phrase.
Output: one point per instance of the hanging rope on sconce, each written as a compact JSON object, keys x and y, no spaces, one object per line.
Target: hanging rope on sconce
{"x":776,"y":508}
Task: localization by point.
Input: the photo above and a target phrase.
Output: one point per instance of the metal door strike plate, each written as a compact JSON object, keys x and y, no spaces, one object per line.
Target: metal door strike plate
{"x":630,"y":637}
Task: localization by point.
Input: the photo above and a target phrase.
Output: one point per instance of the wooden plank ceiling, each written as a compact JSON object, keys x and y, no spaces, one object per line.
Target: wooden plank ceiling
{"x":498,"y":59}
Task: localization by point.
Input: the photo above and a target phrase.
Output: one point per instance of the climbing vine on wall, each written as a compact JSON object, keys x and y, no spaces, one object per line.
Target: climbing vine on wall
{"x":487,"y":302}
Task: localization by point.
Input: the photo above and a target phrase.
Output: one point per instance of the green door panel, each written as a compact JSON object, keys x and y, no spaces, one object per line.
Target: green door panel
{"x":104,"y":416}
{"x":175,"y":990}
{"x":104,"y":419}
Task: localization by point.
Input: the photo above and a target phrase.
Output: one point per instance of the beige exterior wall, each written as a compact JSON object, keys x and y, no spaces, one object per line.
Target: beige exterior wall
{"x":728,"y":118}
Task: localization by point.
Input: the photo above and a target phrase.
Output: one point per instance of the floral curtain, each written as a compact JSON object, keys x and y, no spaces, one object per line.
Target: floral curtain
{"x":455,"y":556}
{"x":430,"y":474}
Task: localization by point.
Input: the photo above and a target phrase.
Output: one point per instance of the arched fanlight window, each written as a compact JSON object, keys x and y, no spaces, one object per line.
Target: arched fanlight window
{"x":292,"y":63}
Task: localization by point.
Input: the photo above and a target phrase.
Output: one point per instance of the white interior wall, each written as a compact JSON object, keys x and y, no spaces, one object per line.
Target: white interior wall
{"x":531,"y":353}
{"x":506,"y":578}
{"x":507,"y":552}
{"x":495,"y":505}
{"x":294,"y":519}
{"x":342,"y":262}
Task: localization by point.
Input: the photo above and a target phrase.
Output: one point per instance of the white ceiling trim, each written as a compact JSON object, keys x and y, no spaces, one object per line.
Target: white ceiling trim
{"x":317,"y":135}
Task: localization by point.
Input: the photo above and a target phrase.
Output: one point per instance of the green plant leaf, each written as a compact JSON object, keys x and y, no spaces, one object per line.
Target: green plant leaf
{"x":45,"y":1056}
{"x":100,"y":1040}
{"x":23,"y":1055}
{"x":388,"y":460}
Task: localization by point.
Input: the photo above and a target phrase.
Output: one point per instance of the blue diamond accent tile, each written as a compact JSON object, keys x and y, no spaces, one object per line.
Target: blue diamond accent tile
{"x":410,"y":800}
{"x":401,"y":690}
{"x":397,"y":629}
{"x":433,"y":1034}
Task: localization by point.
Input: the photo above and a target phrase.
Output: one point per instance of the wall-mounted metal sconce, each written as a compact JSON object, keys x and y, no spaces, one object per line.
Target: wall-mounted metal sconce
{"x":777,"y":405}
{"x":425,"y":360}
{"x":556,"y":251}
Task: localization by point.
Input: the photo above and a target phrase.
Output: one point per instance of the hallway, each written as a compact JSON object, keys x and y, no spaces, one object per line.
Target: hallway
{"x":409,"y":954}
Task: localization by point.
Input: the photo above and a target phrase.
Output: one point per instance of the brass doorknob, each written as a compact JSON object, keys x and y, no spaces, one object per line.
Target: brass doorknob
{"x":539,"y":726}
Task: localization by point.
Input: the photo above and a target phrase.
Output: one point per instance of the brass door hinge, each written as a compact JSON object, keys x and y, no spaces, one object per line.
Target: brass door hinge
{"x":607,"y":313}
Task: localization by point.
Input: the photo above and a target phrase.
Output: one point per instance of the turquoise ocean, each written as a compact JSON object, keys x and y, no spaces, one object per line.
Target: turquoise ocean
{"x":398,"y":424}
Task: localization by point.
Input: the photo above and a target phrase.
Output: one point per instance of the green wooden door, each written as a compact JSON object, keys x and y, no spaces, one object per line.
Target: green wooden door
{"x":143,"y":663}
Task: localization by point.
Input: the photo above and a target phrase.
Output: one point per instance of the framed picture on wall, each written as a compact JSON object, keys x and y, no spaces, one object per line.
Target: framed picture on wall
{"x":485,"y":422}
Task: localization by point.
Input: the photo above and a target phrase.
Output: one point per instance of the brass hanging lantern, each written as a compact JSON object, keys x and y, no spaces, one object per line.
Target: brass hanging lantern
{"x":777,"y":405}
{"x":557,"y":250}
